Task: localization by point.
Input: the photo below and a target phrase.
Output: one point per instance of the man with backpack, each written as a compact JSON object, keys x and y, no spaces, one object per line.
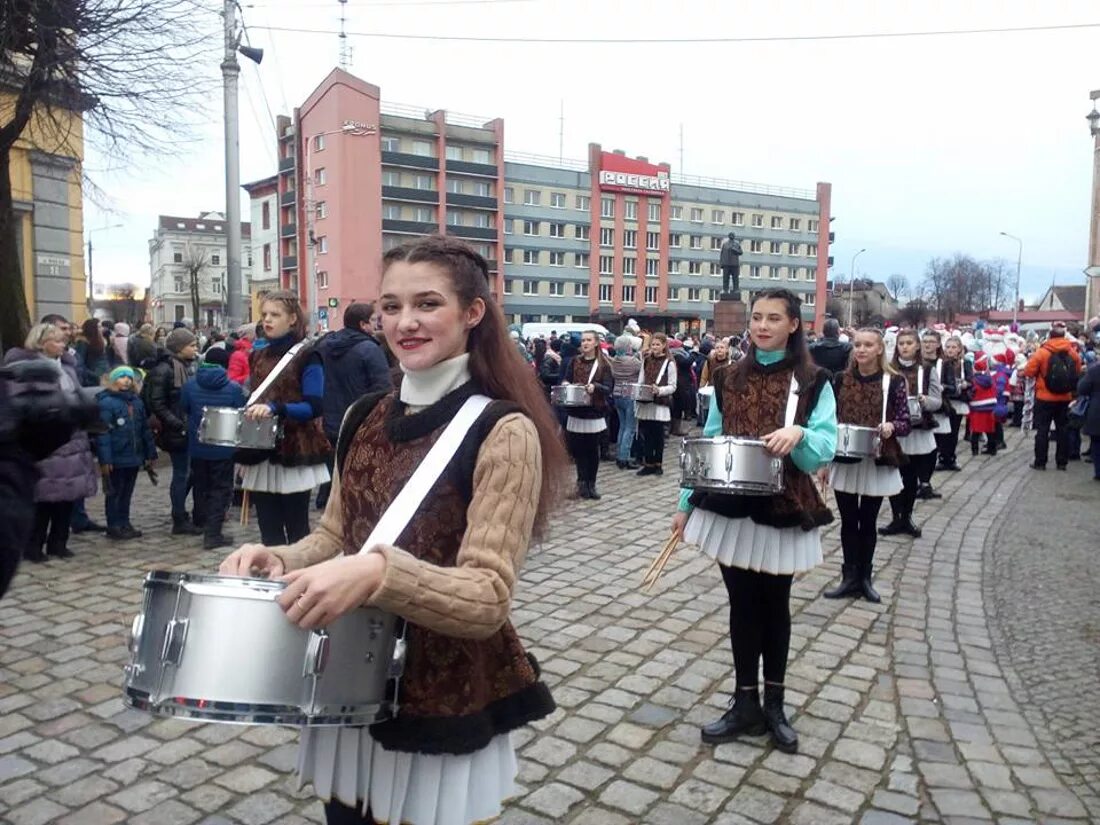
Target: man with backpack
{"x":1055,"y":367}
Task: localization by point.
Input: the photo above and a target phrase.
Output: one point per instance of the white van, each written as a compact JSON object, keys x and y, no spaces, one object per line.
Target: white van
{"x":533,"y":330}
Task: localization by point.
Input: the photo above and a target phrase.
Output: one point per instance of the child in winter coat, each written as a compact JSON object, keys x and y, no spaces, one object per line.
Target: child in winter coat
{"x":211,"y":465}
{"x":983,"y":403}
{"x":123,"y":448}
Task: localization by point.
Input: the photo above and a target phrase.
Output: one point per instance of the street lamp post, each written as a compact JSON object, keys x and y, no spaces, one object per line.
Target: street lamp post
{"x":1019,"y":260}
{"x":1092,"y":306}
{"x":852,"y":287}
{"x":91,"y":280}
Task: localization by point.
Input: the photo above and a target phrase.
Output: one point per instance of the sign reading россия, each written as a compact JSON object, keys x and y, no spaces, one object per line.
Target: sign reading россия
{"x":619,"y":173}
{"x":646,"y":183}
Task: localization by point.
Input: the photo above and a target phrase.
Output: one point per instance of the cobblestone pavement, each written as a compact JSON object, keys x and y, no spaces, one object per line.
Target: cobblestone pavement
{"x":950,"y":701}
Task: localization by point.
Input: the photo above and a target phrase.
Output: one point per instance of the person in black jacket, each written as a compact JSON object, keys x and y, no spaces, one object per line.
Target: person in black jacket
{"x":830,"y":352}
{"x":354,"y":366}
{"x":162,"y":392}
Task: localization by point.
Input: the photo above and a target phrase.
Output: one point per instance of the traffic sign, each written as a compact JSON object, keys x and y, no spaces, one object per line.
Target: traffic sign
{"x":334,"y":302}
{"x":322,"y":314}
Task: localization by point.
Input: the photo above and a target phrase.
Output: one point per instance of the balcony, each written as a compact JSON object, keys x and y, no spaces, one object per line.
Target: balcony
{"x":494,"y":265}
{"x":412,"y":161}
{"x":484,"y":170}
{"x":475,"y":232}
{"x":288,"y":198}
{"x":286,"y":164}
{"x":404,"y":193}
{"x":473,"y":201}
{"x":288,"y":230}
{"x":290,"y":262}
{"x":409,"y":227}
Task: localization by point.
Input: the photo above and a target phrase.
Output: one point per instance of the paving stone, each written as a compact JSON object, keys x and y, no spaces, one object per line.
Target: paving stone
{"x":757,"y":804}
{"x":143,"y":796}
{"x":647,"y":771}
{"x":585,"y":775}
{"x":959,"y":803}
{"x":626,"y":796}
{"x":553,"y":800}
{"x":599,"y":816}
{"x":860,"y":754}
{"x":83,"y":791}
{"x":699,"y":796}
{"x":835,"y":796}
{"x":897,"y":802}
{"x":36,"y":812}
{"x":98,"y":813}
{"x":551,"y":751}
{"x":666,"y":813}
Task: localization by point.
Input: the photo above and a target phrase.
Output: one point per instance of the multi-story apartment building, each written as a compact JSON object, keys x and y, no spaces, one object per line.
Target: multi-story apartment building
{"x":357,"y":177}
{"x":264,"y":243}
{"x":616,"y":237}
{"x":182,"y":246}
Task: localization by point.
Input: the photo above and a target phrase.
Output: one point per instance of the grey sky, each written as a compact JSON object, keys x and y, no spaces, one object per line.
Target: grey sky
{"x":933,"y":144}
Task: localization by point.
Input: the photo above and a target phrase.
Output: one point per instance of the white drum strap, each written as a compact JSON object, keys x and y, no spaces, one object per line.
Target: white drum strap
{"x":885,"y":393}
{"x":271,"y":376}
{"x":404,"y":507}
{"x":595,"y":367}
{"x":792,"y":403}
{"x":920,"y":379}
{"x":661,"y":374}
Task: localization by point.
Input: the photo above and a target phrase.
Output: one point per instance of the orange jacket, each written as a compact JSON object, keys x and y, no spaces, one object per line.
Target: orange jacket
{"x":1037,"y":367}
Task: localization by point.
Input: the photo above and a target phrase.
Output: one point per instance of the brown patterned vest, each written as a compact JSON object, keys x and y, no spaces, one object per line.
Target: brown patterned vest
{"x":859,"y":402}
{"x":580,"y":370}
{"x":455,"y":694}
{"x":927,"y":422}
{"x":303,"y":443}
{"x":758,"y":409}
{"x":652,"y":368}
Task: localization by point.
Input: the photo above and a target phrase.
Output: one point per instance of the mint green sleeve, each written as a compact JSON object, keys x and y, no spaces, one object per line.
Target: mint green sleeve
{"x":818,"y":445}
{"x":711,"y":428}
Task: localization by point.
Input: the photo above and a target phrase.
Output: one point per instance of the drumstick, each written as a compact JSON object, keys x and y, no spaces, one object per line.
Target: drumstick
{"x":658,"y":566}
{"x":656,"y":561}
{"x":244,"y":508}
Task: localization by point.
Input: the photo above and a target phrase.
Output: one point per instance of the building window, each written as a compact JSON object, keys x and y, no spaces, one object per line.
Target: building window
{"x":584,"y":202}
{"x":557,"y":259}
{"x":654,"y":211}
{"x":757,"y":220}
{"x":607,"y":207}
{"x":322,"y":245}
{"x":424,"y":182}
{"x":630,"y":238}
{"x":482,"y":156}
{"x":794,"y":249}
{"x":391,"y":241}
{"x":775,"y":247}
{"x":652,"y":267}
{"x":607,"y":236}
{"x":319,"y":176}
{"x":391,"y":212}
{"x":177,"y":257}
{"x":531,"y":227}
{"x":628,"y":294}
{"x":811,"y":250}
{"x":717,"y":216}
{"x":631,"y":210}
{"x":673,"y":267}
{"x":391,"y":178}
{"x":754,"y":271}
{"x":605,"y":293}
{"x":580,"y":232}
{"x":422,"y":148}
{"x":696,"y":241}
{"x":809,"y":299}
{"x":630,"y":266}
{"x":694,"y":268}
{"x":777,"y":222}
{"x":215,"y":260}
{"x":454,"y":217}
{"x":653,"y":241}
{"x":803,"y":273}
{"x":557,"y":289}
{"x":557,"y":200}
{"x":483,"y":220}
{"x":509,"y":194}
{"x":651,"y":294}
{"x":756,"y":246}
{"x":694,"y":293}
{"x":454,"y":153}
{"x":677,"y":213}
{"x":673,"y":294}
{"x":812,"y":224}
{"x":530,"y":287}
{"x":773,"y":273}
{"x":507,"y":226}
{"x":391,"y":144}
{"x":454,"y":186}
{"x":715,"y":244}
{"x":557,"y":230}
{"x":795,"y":224}
{"x":265,"y":210}
{"x":322,"y":280}
{"x":696,"y":215}
{"x":580,"y":259}
{"x":507,"y":286}
{"x":425,"y":214}
{"x":319,"y":143}
{"x":179,"y":311}
{"x":580,"y":290}
{"x":532,"y":197}
{"x":322,"y":210}
{"x":674,"y":240}
{"x":607,"y":265}
{"x":482,"y":189}
{"x":737,"y":218}
{"x":530,"y":256}
{"x":267,"y":257}
{"x":179,"y":285}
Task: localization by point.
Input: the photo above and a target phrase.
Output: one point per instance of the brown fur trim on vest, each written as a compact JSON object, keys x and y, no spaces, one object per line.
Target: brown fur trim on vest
{"x":652,"y":368}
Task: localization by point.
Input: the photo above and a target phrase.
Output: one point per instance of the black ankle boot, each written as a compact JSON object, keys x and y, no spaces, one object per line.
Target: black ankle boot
{"x":783,"y":735}
{"x":744,"y":718}
{"x":849,"y":584}
{"x":907,"y":526}
{"x":592,"y":494}
{"x":184,"y":527}
{"x":865,"y":588}
{"x":894,"y":528}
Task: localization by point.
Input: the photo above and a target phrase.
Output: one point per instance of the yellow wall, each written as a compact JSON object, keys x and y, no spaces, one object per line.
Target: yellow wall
{"x":61,"y":133}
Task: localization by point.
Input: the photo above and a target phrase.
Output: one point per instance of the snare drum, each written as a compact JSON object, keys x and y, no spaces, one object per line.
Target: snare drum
{"x":228,"y":427}
{"x":703,"y":400}
{"x":639,"y":392}
{"x":857,"y":442}
{"x":726,"y":464}
{"x":916,"y":414}
{"x":219,"y":649}
{"x":570,"y":395}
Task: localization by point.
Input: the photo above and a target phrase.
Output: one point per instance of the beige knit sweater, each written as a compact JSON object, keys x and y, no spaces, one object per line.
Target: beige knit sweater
{"x":472,"y":599}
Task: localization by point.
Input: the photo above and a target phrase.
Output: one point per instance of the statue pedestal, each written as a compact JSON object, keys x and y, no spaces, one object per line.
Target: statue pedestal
{"x":730,"y":317}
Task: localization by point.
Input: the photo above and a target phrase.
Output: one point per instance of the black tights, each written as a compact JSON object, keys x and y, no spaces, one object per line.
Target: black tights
{"x":760,"y":624}
{"x":283,"y":517}
{"x":585,"y":449}
{"x":947,"y":444}
{"x":858,"y":515}
{"x":653,"y":442}
{"x":337,"y":813}
{"x":911,"y":472}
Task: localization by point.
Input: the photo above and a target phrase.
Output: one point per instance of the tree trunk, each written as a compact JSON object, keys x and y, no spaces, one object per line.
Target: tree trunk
{"x":15,"y":321}
{"x":195,"y":300}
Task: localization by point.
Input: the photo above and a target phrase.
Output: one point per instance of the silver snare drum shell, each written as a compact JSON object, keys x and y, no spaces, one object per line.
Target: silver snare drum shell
{"x":726,"y":464}
{"x":639,"y":392}
{"x":570,"y":395}
{"x":916,"y":414}
{"x":228,"y":427}
{"x":219,"y":649}
{"x":857,"y":442}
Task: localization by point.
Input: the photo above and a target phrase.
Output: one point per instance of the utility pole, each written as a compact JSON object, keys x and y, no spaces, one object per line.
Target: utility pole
{"x":230,"y":72}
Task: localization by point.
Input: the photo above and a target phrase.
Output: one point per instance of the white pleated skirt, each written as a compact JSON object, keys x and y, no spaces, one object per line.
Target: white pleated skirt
{"x":943,"y":424}
{"x":402,"y":788}
{"x":741,"y":542}
{"x":266,"y":477}
{"x":865,"y":478}
{"x":918,"y":442}
{"x":585,"y":425}
{"x":960,"y":407}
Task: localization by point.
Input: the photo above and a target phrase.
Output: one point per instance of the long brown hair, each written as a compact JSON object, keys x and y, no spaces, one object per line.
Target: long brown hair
{"x":289,"y":302}
{"x":94,"y":337}
{"x":495,"y":364}
{"x":805,"y":371}
{"x":906,"y":333}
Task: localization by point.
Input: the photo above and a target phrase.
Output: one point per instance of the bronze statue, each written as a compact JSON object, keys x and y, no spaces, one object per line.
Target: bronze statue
{"x":730,"y":261}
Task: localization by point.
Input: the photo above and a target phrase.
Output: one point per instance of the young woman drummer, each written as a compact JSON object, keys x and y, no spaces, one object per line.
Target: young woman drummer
{"x":859,"y":484}
{"x":931,"y":350}
{"x":919,"y":446}
{"x":583,"y":425}
{"x":760,"y":542}
{"x":658,"y":372}
{"x":279,"y":481}
{"x":958,"y":382}
{"x":446,"y":758}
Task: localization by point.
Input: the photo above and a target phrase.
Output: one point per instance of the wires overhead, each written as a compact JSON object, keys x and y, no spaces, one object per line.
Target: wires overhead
{"x":684,"y":40}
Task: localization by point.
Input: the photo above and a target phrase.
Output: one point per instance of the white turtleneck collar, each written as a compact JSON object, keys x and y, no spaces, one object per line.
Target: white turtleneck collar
{"x":422,"y":388}
{"x":905,"y":363}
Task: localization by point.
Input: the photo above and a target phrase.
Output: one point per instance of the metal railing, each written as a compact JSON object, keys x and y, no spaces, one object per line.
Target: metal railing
{"x":425,"y":112}
{"x":546,"y":160}
{"x":743,"y":186}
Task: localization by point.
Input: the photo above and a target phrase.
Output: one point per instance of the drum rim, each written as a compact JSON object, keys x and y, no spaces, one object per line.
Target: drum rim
{"x":723,"y":439}
{"x":258,"y":713}
{"x":236,"y":582}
